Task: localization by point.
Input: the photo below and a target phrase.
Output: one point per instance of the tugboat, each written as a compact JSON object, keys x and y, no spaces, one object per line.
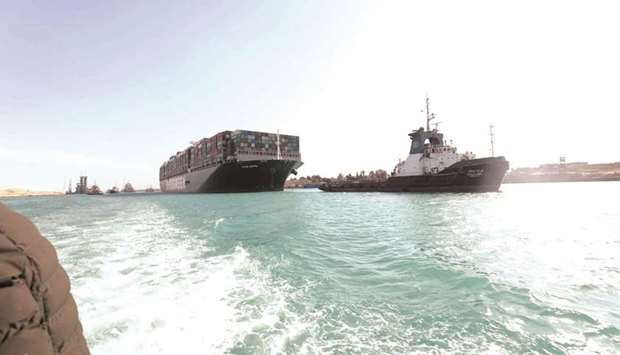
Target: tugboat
{"x":433,"y":166}
{"x":128,"y":188}
{"x":94,"y":190}
{"x":113,"y":190}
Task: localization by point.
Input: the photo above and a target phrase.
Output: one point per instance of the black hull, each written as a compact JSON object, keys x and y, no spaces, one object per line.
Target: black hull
{"x":250,"y":176}
{"x":476,"y":175}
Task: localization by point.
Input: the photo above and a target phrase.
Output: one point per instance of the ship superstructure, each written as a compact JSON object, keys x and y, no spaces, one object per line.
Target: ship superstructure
{"x":232,"y":161}
{"x":429,"y":154}
{"x":432,"y":165}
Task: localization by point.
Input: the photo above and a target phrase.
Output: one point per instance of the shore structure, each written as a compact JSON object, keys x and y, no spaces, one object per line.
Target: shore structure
{"x":80,"y":188}
{"x":565,"y":172}
{"x":19,"y":192}
{"x":433,"y":166}
{"x":232,"y":161}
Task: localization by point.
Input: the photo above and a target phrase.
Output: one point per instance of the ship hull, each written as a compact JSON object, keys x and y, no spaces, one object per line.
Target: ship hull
{"x":476,"y":175}
{"x":234,"y":176}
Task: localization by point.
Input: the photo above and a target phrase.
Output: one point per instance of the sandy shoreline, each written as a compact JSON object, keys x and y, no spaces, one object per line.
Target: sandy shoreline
{"x":17,"y":192}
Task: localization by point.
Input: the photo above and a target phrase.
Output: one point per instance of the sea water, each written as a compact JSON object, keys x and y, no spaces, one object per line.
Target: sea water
{"x":533,"y":268}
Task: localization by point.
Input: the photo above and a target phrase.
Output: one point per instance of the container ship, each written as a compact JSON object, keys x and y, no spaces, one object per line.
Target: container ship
{"x":433,"y":166}
{"x":232,"y":161}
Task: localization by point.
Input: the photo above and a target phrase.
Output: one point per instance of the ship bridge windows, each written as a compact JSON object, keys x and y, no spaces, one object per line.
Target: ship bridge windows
{"x":432,"y":141}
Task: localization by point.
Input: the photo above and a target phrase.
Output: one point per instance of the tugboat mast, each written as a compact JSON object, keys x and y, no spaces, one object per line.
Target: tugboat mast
{"x":429,"y":116}
{"x":492,"y":135}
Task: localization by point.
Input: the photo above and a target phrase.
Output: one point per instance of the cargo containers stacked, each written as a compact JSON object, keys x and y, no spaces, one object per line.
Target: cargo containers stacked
{"x":175,"y":165}
{"x":289,"y":146}
{"x":226,"y":145}
{"x":207,"y":152}
{"x":265,"y":144}
{"x":232,"y":161}
{"x":199,"y":154}
{"x":219,"y":148}
{"x":210,"y":151}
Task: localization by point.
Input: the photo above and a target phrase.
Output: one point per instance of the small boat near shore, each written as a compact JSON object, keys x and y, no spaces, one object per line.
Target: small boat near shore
{"x":113,"y":190}
{"x":94,"y":190}
{"x":128,"y":188}
{"x":433,"y":166}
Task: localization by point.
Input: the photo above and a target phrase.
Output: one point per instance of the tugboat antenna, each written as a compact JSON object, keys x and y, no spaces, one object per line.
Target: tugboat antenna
{"x":492,"y":135}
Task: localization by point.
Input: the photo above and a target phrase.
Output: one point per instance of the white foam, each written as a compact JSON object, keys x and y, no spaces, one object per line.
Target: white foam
{"x":156,"y":294}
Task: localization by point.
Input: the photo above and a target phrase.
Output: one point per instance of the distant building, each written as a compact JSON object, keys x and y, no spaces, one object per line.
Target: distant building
{"x":82,"y":186}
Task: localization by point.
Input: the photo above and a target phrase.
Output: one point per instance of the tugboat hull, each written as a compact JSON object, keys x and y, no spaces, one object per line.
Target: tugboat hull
{"x":475,"y":175}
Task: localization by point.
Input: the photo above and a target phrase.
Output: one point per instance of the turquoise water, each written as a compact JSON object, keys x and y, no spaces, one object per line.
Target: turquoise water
{"x":535,"y":268}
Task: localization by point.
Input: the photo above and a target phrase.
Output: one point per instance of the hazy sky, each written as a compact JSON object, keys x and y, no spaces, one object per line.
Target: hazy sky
{"x":113,"y":88}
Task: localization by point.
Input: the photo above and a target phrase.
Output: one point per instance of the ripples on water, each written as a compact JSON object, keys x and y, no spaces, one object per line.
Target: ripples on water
{"x":535,"y":268}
